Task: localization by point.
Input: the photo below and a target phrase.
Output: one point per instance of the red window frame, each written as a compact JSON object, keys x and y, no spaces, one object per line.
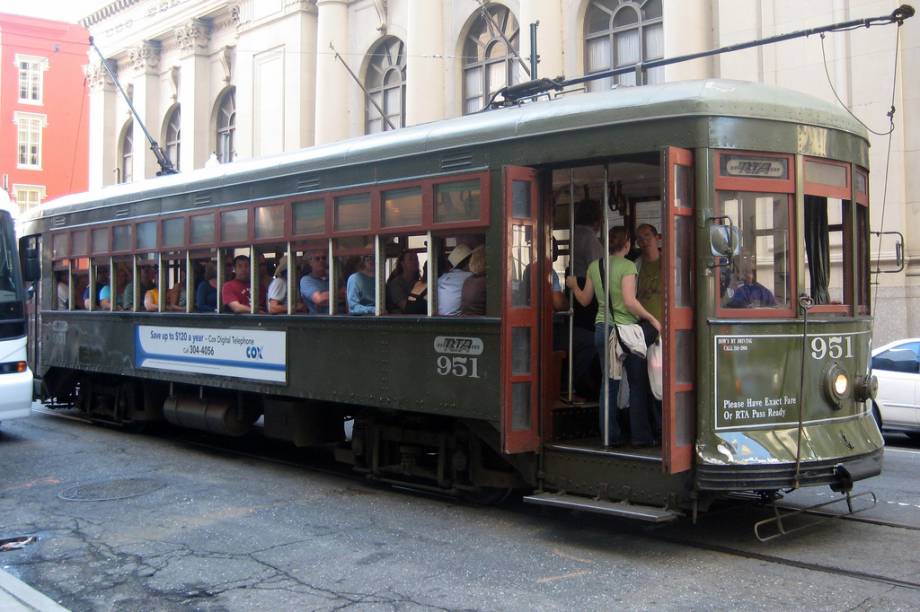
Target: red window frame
{"x":132,"y":242}
{"x":782,"y":186}
{"x":823,"y":189}
{"x":844,"y":194}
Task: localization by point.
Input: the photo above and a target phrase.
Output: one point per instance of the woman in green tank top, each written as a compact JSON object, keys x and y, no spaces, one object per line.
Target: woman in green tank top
{"x":626,"y":310}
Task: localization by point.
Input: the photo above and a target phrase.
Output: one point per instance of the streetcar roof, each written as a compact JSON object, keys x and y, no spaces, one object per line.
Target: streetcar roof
{"x":711,"y":97}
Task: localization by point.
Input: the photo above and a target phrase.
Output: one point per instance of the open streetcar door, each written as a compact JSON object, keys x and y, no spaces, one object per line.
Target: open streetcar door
{"x":679,"y":367}
{"x":520,"y":308}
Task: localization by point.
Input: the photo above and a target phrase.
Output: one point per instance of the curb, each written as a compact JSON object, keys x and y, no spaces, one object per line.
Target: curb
{"x":17,"y":596}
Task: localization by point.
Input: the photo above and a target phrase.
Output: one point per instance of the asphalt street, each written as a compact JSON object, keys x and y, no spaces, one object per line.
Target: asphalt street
{"x":143,"y":522}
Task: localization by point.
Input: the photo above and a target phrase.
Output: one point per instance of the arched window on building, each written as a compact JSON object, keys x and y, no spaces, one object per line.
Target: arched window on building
{"x":226,"y":126}
{"x":385,"y":81}
{"x":172,"y":135}
{"x":488,"y":63}
{"x":126,"y":153}
{"x":622,"y":33}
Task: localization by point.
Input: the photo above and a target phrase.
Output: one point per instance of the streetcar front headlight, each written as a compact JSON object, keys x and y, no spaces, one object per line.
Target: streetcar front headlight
{"x":837,"y":384}
{"x":841,"y":384}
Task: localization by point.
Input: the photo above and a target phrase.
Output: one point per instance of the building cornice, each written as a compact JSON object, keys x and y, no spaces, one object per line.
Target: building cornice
{"x":109,"y":10}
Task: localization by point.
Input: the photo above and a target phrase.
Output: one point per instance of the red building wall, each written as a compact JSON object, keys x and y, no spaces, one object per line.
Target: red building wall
{"x":64,"y":104}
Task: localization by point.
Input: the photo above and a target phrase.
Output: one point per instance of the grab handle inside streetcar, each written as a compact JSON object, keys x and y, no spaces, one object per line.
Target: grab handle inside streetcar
{"x":724,"y":240}
{"x":898,"y":252}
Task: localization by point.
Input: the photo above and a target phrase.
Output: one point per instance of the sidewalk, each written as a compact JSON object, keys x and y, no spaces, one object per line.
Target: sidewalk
{"x":17,"y":596}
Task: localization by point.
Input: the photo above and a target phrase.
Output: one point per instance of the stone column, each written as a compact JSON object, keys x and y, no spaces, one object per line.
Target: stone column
{"x":688,"y":28}
{"x":424,"y":63}
{"x":910,"y":99}
{"x":299,"y":31}
{"x":145,"y":60}
{"x":331,"y":77}
{"x":103,"y":133}
{"x":549,"y":36}
{"x":194,"y":86}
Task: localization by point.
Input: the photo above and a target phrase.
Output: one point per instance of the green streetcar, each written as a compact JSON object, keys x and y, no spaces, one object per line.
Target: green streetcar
{"x":745,"y":183}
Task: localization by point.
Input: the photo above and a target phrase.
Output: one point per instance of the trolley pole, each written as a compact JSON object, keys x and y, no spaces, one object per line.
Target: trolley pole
{"x":166,"y":166}
{"x":534,"y":57}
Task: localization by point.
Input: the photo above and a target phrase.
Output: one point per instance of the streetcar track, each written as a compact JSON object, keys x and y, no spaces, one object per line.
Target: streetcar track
{"x":652,"y":533}
{"x":774,"y":559}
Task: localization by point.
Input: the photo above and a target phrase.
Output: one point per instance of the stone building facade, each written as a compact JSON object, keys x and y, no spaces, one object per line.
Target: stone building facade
{"x":238,"y":79}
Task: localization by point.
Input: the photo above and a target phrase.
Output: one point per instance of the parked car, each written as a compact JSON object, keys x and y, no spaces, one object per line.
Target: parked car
{"x":897,"y":405}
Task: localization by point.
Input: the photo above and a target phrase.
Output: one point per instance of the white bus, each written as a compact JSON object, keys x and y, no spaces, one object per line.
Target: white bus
{"x":15,"y":375}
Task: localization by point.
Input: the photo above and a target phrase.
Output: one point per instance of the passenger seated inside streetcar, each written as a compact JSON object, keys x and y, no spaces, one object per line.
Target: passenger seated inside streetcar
{"x":276,"y":295}
{"x":473,"y":293}
{"x":314,"y":286}
{"x":206,"y":292}
{"x":450,"y":285}
{"x":235,"y":292}
{"x":175,"y":295}
{"x":152,"y":298}
{"x":360,"y":288}
{"x":748,"y":293}
{"x":401,"y":281}
{"x":417,"y":302}
{"x":147,"y":280}
{"x":62,"y":289}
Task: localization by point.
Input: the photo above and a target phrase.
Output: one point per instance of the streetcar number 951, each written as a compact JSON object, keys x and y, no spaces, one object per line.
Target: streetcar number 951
{"x":834,"y":347}
{"x":464,"y":367}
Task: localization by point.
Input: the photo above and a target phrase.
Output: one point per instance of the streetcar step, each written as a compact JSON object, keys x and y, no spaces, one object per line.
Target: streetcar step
{"x":651,"y":514}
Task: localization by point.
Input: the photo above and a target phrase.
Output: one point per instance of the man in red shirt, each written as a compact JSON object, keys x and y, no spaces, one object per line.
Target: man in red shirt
{"x":234,"y":295}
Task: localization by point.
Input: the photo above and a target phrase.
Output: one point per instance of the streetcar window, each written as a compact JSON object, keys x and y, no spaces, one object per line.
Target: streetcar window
{"x":313,"y":287}
{"x":175,"y":282}
{"x":234,"y":226}
{"x":269,"y":222}
{"x":97,"y":295}
{"x":825,"y":250}
{"x":122,"y":238}
{"x":59,"y":246}
{"x":174,"y":232}
{"x":124,"y":281}
{"x":406,"y":276}
{"x":203,"y":276}
{"x":79,"y":272}
{"x":147,"y":235}
{"x":61,"y":295}
{"x":862,"y":258}
{"x":402,"y":207}
{"x":202,"y":229}
{"x":759,"y":276}
{"x":457,"y":201}
{"x":353,"y":212}
{"x":309,"y":217}
{"x":100,"y":240}
{"x":354,"y":276}
{"x":145,"y":279}
{"x":80,"y":243}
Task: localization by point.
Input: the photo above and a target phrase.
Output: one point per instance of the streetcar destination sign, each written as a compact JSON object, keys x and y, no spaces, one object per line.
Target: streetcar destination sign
{"x":253,"y":354}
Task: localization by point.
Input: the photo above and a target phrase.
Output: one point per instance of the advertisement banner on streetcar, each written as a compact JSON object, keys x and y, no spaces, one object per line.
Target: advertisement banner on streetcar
{"x":239,"y":353}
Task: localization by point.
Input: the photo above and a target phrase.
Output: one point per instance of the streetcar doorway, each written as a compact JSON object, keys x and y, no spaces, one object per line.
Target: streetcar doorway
{"x":580,"y":202}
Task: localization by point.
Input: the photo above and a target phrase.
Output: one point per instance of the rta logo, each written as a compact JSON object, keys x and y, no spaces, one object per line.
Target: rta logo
{"x":254,"y":352}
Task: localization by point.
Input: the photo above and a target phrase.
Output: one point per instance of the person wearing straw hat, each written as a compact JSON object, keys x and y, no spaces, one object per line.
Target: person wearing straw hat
{"x":450,"y":286}
{"x":276,"y":295}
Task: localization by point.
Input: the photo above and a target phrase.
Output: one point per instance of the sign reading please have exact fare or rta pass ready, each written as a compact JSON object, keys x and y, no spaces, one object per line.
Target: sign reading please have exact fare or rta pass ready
{"x":239,"y":353}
